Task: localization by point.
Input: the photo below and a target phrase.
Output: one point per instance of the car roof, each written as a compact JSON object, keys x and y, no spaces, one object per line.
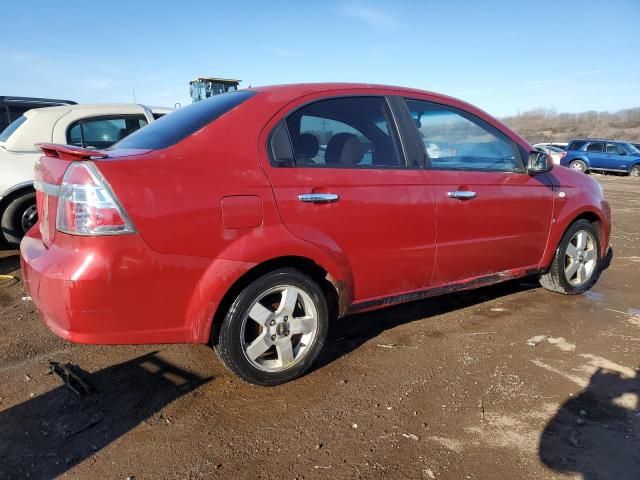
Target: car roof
{"x":297,"y":90}
{"x":98,"y":108}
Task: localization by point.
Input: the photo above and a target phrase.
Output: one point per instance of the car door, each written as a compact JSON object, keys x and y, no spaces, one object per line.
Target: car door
{"x":491,"y":216}
{"x":596,"y":155}
{"x":342,"y":183}
{"x":615,"y":157}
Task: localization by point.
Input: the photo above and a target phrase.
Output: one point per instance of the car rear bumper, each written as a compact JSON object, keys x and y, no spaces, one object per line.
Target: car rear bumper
{"x":115,"y":290}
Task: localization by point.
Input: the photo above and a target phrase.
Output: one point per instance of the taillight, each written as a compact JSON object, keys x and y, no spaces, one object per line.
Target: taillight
{"x":86,"y":204}
{"x":563,"y":154}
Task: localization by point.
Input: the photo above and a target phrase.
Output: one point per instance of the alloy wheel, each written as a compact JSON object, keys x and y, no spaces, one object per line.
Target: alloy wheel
{"x":279,"y":328}
{"x":580,"y":258}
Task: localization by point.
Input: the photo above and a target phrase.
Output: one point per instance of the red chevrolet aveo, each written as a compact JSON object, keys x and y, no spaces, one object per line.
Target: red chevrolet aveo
{"x":248,"y":220}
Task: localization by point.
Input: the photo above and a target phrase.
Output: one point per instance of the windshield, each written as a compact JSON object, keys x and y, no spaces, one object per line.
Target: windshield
{"x":12,"y":127}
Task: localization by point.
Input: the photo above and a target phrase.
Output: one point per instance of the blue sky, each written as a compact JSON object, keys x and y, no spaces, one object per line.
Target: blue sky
{"x":504,"y":56}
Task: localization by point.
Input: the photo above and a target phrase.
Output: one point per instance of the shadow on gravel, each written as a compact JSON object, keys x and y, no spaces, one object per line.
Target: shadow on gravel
{"x":9,"y":263}
{"x":46,"y":436}
{"x":597,"y":433}
{"x":351,"y":332}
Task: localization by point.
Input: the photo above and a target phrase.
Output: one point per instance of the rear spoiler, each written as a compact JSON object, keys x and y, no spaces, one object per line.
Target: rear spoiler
{"x":69,"y":152}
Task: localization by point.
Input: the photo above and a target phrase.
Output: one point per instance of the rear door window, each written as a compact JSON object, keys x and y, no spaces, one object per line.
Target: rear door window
{"x":344,"y":132}
{"x":595,"y":147}
{"x":102,"y":132}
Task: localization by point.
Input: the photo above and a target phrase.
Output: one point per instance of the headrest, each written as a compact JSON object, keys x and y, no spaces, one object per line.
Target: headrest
{"x":344,"y":149}
{"x":307,"y":146}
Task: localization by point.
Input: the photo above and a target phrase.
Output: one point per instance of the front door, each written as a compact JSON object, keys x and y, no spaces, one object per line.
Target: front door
{"x":491,"y":215}
{"x":341,"y":182}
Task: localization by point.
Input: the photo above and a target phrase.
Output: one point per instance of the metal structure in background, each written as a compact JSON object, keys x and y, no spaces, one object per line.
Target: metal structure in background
{"x":205,"y":87}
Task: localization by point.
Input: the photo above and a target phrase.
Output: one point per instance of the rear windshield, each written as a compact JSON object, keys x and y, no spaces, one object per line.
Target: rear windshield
{"x":172,"y":128}
{"x":12,"y":127}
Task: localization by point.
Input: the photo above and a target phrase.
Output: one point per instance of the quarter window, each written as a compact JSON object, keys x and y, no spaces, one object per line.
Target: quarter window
{"x":455,"y":140}
{"x":346,"y":132}
{"x":102,"y":132}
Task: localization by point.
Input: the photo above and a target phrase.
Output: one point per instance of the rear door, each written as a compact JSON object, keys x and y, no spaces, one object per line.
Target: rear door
{"x":491,"y":215}
{"x":342,"y":183}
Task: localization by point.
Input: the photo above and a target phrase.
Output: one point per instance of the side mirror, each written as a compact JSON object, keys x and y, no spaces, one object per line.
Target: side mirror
{"x":538,"y":162}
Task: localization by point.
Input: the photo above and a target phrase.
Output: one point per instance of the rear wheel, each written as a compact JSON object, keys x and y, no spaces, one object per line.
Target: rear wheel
{"x":20,"y":215}
{"x":275,"y":329}
{"x":578,"y":165}
{"x":635,"y":171}
{"x":575,"y":266}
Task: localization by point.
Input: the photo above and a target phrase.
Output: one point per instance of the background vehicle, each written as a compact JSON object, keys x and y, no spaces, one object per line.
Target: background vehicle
{"x":556,"y":153}
{"x":89,"y":126}
{"x":12,"y":108}
{"x":602,"y":155}
{"x":226,"y":223}
{"x":205,"y":87}
{"x":560,"y":145}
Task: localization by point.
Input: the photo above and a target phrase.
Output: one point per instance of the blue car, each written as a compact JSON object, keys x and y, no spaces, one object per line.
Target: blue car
{"x":602,"y":155}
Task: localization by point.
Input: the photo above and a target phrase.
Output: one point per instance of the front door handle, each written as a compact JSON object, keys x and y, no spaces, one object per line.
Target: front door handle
{"x":318,"y":197}
{"x":462,"y":195}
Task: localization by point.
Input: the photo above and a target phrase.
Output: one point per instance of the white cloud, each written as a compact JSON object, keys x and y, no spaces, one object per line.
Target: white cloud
{"x":372,"y":16}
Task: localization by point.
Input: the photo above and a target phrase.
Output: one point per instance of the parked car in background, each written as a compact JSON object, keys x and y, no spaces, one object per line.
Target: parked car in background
{"x":12,"y":108}
{"x":593,"y":154}
{"x":560,"y":145}
{"x":89,"y":126}
{"x":225,"y":223}
{"x":555,"y":153}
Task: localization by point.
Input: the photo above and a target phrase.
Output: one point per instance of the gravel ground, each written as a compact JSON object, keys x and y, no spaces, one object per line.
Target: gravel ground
{"x":441,"y":389}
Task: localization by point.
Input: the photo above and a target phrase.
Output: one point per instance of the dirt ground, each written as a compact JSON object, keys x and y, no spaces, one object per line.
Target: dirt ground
{"x":440,"y":389}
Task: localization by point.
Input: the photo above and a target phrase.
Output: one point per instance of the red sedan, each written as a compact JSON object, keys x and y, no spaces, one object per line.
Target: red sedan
{"x":248,"y":220}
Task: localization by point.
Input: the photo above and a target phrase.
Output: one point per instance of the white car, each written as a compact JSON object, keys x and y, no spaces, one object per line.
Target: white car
{"x":90,"y":126}
{"x":556,"y":153}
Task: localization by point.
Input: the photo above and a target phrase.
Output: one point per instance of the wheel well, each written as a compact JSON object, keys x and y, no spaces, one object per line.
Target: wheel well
{"x":304,"y":265}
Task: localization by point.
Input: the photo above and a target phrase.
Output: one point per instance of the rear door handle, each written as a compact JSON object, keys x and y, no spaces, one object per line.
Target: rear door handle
{"x":318,"y":197}
{"x":462,"y":195}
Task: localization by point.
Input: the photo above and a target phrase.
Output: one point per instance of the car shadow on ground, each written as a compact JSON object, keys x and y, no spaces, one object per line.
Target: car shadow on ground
{"x":597,"y":433}
{"x":349,"y":333}
{"x":46,"y":436}
{"x":9,"y":264}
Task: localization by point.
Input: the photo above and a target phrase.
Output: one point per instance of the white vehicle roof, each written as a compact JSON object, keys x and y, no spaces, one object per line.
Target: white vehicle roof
{"x":44,"y":124}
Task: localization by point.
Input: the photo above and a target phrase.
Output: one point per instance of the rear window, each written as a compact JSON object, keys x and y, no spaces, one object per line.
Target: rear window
{"x":576,"y":145}
{"x":170,"y":129}
{"x":12,"y":127}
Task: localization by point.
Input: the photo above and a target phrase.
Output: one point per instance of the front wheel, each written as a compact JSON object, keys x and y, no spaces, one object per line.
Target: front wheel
{"x":635,"y":171}
{"x":275,"y":328}
{"x":575,"y":266}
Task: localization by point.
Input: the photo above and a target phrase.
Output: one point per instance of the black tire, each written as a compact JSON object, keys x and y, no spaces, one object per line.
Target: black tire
{"x":231,"y":341}
{"x":635,"y":171}
{"x":14,"y":217}
{"x":578,"y":165}
{"x":555,"y":279}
